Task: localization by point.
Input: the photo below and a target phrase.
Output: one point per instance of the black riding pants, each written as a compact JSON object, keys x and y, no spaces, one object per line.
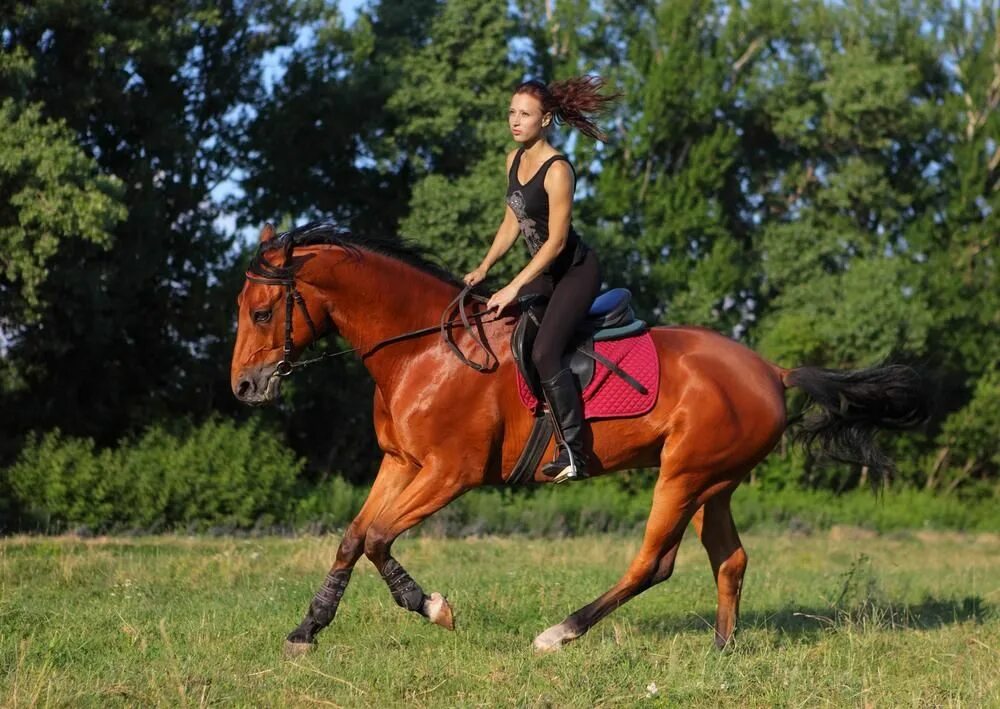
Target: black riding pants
{"x":570,"y":295}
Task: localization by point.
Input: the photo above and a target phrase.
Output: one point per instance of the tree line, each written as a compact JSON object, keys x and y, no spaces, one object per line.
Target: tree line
{"x":818,"y":179}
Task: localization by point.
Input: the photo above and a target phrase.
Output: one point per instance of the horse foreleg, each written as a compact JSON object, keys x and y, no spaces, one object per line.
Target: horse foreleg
{"x":715,"y":525}
{"x":674,"y":501}
{"x":425,"y":495}
{"x":393,"y":477}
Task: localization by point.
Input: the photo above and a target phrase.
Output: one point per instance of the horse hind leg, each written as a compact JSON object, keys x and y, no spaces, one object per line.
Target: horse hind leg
{"x":717,"y":530}
{"x":675,"y":499}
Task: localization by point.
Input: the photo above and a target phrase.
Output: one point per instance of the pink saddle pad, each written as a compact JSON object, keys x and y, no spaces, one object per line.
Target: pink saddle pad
{"x":608,"y":395}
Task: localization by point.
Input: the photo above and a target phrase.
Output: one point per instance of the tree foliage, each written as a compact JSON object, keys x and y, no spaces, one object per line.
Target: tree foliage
{"x":124,"y":118}
{"x":819,"y":179}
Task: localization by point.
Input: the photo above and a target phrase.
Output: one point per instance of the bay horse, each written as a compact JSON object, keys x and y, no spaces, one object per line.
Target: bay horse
{"x":446,"y":427}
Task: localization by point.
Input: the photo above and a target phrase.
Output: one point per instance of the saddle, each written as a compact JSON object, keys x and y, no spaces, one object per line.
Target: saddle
{"x":610,"y":318}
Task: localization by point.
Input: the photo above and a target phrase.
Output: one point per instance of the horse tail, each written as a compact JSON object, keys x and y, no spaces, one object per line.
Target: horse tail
{"x":848,"y":407}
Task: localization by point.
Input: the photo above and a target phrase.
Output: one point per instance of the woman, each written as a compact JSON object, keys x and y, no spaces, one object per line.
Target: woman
{"x":563,"y":269}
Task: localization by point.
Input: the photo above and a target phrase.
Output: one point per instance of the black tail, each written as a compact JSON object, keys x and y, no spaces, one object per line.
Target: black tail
{"x":853,"y":405}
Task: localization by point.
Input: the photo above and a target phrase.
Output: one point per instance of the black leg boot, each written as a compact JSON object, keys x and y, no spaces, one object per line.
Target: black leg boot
{"x":567,"y":412}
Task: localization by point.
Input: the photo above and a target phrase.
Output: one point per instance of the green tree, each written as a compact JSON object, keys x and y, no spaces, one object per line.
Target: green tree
{"x":51,"y":192}
{"x":321,"y":143}
{"x":153,"y":94}
{"x":673,"y":201}
{"x":842,"y":283}
{"x":879,"y":235}
{"x":454,"y":92}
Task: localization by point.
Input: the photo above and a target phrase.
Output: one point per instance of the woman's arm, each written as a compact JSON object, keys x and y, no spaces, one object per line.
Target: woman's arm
{"x":506,"y":236}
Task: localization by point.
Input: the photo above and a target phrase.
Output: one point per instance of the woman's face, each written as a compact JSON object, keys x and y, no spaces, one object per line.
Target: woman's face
{"x":525,"y":118}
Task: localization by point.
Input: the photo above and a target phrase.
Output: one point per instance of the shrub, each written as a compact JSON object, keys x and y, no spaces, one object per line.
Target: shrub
{"x":619,"y":504}
{"x":217,"y":474}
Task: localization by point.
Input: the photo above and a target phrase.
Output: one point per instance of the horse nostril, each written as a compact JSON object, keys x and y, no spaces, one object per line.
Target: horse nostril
{"x":243,"y":388}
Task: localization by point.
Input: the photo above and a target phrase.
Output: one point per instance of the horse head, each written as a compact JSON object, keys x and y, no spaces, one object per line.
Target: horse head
{"x":274,"y":321}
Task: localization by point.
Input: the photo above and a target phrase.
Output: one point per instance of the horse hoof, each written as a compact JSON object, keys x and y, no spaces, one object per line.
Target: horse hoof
{"x":293,"y":650}
{"x":439,"y":612}
{"x":553,"y":639}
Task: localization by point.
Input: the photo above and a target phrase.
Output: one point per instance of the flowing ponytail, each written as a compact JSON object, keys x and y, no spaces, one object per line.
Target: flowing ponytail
{"x":574,"y":101}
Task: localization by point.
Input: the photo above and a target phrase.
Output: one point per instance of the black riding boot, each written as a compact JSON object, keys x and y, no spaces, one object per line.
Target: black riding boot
{"x":566,"y":410}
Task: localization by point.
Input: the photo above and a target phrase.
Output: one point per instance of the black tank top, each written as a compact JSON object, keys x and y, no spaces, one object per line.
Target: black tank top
{"x":530,"y":204}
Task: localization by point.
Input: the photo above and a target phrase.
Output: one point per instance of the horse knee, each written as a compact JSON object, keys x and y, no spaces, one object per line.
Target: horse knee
{"x":376,"y":545}
{"x":352,"y":546}
{"x":665,"y":568}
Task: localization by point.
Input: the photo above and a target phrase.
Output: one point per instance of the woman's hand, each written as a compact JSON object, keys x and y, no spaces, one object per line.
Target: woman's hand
{"x":473,"y":277}
{"x":502,"y":298}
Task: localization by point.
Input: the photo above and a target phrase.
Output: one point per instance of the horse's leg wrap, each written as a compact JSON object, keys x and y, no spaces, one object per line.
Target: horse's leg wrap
{"x":323,"y":607}
{"x":405,"y":591}
{"x":327,"y":599}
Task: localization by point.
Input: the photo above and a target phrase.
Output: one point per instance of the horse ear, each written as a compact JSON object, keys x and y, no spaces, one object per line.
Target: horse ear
{"x":267,"y":232}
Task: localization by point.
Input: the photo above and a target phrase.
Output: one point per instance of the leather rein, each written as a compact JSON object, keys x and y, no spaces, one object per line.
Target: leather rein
{"x":294,"y":298}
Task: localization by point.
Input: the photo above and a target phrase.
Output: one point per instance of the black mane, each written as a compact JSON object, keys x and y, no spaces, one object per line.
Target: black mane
{"x":326,"y":233}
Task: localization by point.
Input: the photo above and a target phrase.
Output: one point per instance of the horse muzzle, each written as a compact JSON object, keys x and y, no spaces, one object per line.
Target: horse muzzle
{"x":258,"y":386}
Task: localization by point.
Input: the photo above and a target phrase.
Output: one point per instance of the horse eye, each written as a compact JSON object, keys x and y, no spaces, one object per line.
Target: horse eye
{"x":261,"y":315}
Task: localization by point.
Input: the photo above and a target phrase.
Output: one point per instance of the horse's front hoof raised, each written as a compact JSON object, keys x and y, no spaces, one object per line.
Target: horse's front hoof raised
{"x":294,"y":649}
{"x":439,"y":612}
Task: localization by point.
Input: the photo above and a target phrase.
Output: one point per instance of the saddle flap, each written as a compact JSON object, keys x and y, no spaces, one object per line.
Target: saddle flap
{"x":522,"y":340}
{"x":580,"y":364}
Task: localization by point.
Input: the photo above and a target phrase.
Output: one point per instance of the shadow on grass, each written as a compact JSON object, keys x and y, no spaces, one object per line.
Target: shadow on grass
{"x":806,"y":623}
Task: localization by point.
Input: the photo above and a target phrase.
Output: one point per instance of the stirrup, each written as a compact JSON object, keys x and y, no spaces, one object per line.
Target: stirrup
{"x":568,"y":472}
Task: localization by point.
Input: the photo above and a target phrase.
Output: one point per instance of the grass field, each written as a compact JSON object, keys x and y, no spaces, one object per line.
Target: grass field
{"x":841,"y":618}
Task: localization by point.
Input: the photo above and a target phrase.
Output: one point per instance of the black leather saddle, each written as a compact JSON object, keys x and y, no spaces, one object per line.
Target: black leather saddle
{"x":610,"y":318}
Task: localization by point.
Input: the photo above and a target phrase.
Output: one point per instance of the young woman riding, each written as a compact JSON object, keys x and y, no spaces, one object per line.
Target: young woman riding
{"x":563,"y":269}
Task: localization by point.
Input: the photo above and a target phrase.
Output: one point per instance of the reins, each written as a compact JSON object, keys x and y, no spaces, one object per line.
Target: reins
{"x":459,"y":302}
{"x":293,"y":297}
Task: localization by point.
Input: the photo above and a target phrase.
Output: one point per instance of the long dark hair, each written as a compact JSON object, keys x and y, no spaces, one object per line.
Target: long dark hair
{"x":574,"y":101}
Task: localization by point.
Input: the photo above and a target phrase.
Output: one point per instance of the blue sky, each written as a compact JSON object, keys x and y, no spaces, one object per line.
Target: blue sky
{"x":350,"y":9}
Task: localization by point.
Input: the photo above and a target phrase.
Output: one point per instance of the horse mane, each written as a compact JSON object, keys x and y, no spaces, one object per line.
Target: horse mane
{"x":325,"y":233}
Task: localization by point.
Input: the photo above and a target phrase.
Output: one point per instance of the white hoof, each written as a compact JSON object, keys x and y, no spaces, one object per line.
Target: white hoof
{"x":554,"y":638}
{"x":437,"y":611}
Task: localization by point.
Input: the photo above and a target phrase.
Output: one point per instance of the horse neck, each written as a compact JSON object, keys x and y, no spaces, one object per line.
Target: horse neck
{"x":371,"y":297}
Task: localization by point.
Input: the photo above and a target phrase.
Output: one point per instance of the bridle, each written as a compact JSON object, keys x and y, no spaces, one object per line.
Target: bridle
{"x":286,"y":279}
{"x":292,"y":297}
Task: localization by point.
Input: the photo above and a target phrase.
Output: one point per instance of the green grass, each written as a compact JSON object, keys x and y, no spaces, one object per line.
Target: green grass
{"x":843,"y":617}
